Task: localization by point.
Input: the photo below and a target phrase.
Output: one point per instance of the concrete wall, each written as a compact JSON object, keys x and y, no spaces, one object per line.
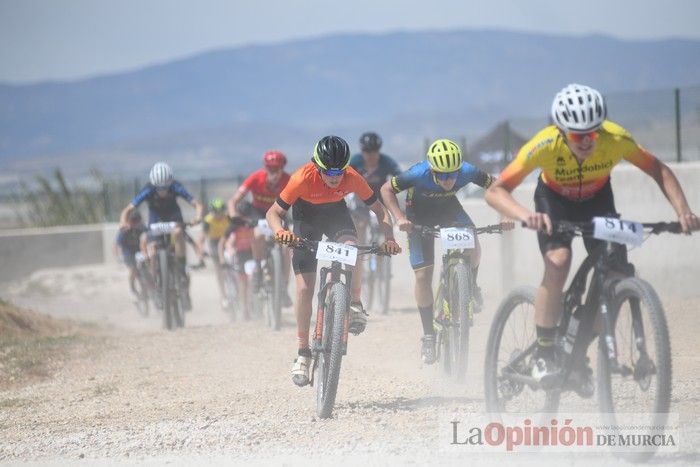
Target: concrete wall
{"x":23,"y":251}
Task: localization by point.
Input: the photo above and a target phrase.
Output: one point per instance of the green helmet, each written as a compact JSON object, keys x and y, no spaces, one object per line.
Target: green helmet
{"x":444,"y":156}
{"x":217,"y":204}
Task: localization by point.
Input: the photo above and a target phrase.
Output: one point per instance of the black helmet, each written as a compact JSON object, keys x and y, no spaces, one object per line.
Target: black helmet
{"x":331,"y":152}
{"x":370,"y":141}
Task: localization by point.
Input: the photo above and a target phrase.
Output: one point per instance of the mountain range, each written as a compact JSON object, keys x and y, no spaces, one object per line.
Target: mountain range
{"x":218,"y":111}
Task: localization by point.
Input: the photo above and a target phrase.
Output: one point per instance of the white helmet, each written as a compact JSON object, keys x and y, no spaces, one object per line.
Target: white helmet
{"x":161,"y":175}
{"x":578,"y":108}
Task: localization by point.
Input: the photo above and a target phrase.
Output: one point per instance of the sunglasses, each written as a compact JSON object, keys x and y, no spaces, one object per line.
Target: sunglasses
{"x":443,"y":177}
{"x":332,"y":172}
{"x":580,"y":137}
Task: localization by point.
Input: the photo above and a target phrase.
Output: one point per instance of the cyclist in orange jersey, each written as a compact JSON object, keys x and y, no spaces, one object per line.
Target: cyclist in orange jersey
{"x":315,"y":193}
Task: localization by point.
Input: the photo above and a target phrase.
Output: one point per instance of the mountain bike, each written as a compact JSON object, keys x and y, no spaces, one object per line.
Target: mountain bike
{"x":145,"y":284}
{"x":376,"y":282}
{"x":268,"y":299}
{"x":171,"y":282}
{"x":634,"y":352}
{"x":454,"y":301}
{"x":330,"y":337}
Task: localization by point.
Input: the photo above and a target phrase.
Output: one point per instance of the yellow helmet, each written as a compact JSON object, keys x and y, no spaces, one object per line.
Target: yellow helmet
{"x":444,"y":156}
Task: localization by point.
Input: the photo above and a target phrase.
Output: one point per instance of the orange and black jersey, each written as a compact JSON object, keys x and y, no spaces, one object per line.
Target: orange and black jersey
{"x":307,"y":186}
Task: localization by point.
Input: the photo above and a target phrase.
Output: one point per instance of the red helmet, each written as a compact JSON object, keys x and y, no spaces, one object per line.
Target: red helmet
{"x":274,"y":159}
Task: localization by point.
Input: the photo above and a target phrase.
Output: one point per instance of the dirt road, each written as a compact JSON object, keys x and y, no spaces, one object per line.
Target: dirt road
{"x":220,"y":392}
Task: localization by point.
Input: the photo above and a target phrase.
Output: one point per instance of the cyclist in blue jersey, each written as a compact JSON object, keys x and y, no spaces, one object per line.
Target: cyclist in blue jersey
{"x":431,"y":187}
{"x":376,"y":168}
{"x":161,"y":194}
{"x":129,"y":242}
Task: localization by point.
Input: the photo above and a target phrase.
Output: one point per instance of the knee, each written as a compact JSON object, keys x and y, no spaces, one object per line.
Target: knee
{"x":556,"y":264}
{"x":423,"y":278}
{"x":305,"y":291}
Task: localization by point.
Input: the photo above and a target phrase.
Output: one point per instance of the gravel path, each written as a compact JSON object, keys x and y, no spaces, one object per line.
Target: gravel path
{"x":219,"y":392}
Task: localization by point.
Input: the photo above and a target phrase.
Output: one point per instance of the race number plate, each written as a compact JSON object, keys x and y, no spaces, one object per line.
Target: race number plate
{"x":249,"y":267}
{"x":264,"y":227}
{"x":162,"y":228}
{"x":456,"y":238}
{"x":615,"y":230}
{"x":331,"y":251}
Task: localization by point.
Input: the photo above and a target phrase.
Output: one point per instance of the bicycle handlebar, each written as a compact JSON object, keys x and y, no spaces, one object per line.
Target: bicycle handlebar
{"x":311,"y":245}
{"x":585,"y":229}
{"x":493,"y":228}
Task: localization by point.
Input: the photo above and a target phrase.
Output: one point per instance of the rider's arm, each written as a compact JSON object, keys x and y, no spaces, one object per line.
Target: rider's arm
{"x":499,"y":196}
{"x":395,"y":185}
{"x":124,"y":216}
{"x":199,"y":211}
{"x":234,"y":200}
{"x":275,"y":217}
{"x":384,"y":219}
{"x":391,"y":201}
{"x":669,"y":185}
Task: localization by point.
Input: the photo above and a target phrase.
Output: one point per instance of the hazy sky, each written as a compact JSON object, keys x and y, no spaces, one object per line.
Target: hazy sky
{"x":69,"y":39}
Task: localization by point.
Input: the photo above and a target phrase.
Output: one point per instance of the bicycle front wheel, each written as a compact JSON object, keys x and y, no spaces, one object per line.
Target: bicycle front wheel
{"x":331,"y":355}
{"x":165,"y":284}
{"x":641,"y":381}
{"x":508,"y":365}
{"x":460,"y":307}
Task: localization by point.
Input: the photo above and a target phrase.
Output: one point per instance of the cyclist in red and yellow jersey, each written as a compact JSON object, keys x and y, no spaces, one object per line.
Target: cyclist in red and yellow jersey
{"x":264,"y":185}
{"x":576,"y":155}
{"x":315,"y":193}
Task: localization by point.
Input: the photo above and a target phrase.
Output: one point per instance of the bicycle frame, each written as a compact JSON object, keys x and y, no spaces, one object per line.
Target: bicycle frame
{"x":607,"y":271}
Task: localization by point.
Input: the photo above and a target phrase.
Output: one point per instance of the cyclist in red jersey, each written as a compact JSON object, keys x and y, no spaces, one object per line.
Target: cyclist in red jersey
{"x":264,"y":185}
{"x":316,"y":195}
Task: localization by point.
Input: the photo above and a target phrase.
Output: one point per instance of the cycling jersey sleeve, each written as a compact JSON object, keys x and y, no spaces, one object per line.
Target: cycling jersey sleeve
{"x":248,"y":183}
{"x":360,"y":186}
{"x":525,"y":161}
{"x":292,"y":191}
{"x":632,"y":152}
{"x":181,"y":191}
{"x":143,"y":195}
{"x":407,"y":179}
{"x":477,"y":176}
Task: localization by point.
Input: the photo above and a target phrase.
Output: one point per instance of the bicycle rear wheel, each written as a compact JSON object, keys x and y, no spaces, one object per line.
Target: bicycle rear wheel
{"x":642,"y":381}
{"x":512,"y":339}
{"x":331,"y":355}
{"x":142,"y":293}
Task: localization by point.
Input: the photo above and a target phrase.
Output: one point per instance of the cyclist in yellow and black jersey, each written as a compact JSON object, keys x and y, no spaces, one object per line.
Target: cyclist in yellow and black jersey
{"x":576,"y":156}
{"x":214,"y":227}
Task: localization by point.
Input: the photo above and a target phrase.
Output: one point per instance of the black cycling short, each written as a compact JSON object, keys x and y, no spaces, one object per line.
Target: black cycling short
{"x":421,"y":248}
{"x":548,"y":201}
{"x":312,"y":221}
